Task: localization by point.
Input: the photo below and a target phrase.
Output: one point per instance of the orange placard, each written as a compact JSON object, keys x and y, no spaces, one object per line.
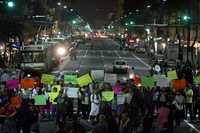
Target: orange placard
{"x":15,"y":101}
{"x":179,"y":84}
{"x":27,"y":83}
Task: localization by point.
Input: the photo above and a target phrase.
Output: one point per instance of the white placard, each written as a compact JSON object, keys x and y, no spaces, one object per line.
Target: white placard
{"x":97,"y":75}
{"x":161,"y":81}
{"x":110,"y":78}
{"x":121,"y":99}
{"x":72,"y":92}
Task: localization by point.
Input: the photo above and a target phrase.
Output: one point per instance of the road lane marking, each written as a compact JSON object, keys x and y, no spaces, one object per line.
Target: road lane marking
{"x":102,"y":56}
{"x":118,"y":54}
{"x":192,"y":126}
{"x":86,"y":53}
{"x":139,"y":59}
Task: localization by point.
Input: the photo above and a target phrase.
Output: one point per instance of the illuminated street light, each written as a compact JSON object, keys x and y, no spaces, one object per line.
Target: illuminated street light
{"x":74,"y":22}
{"x":137,"y":10}
{"x":61,"y":51}
{"x":148,"y":6}
{"x":59,"y":3}
{"x":131,"y":22}
{"x":64,"y":6}
{"x":10,"y":4}
{"x":71,"y":10}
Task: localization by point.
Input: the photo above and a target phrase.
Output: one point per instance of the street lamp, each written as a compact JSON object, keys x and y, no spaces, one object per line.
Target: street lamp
{"x":74,"y":22}
{"x":64,"y":6}
{"x":59,"y":4}
{"x":131,"y":22}
{"x":10,"y":4}
{"x":148,"y":6}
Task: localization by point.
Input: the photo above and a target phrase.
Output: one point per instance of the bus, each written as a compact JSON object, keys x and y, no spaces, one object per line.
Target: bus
{"x":33,"y":56}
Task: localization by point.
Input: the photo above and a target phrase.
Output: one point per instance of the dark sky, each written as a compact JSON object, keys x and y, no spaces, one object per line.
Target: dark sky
{"x":96,"y":12}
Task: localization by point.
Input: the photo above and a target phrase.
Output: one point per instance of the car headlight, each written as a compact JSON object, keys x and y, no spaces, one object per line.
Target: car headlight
{"x":61,"y":51}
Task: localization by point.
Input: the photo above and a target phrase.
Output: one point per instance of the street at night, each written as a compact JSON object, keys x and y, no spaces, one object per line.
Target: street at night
{"x":99,"y":66}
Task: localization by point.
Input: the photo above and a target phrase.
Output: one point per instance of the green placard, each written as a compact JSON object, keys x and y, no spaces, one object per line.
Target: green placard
{"x":47,"y":79}
{"x":171,"y":75}
{"x":40,"y":100}
{"x":148,"y":81}
{"x":84,"y":80}
{"x":70,"y":79}
{"x":107,"y":96}
{"x":197,"y":80}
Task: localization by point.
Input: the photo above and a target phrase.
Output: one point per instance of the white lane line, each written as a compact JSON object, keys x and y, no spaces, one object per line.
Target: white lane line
{"x":118,"y":54}
{"x":139,"y":59}
{"x":192,"y":126}
{"x":86,"y":53}
{"x":102,"y":56}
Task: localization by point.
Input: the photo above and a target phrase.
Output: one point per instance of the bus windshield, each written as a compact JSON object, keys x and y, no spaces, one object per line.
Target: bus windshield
{"x":33,"y":57}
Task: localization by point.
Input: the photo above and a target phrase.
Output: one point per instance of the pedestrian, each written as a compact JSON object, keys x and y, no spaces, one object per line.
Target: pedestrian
{"x":188,"y":102}
{"x":95,"y":105}
{"x":178,"y":103}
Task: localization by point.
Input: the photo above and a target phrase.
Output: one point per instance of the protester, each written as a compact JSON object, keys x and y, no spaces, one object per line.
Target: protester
{"x":95,"y":105}
{"x":189,"y":102}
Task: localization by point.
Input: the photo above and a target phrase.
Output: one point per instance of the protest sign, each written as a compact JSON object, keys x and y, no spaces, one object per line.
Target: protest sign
{"x":55,"y":88}
{"x":147,"y":81}
{"x":72,"y":92}
{"x":171,"y":75}
{"x":107,"y":96}
{"x":70,"y":79}
{"x":12,"y":84}
{"x":161,"y":81}
{"x":121,"y":99}
{"x":52,"y":97}
{"x":40,"y":100}
{"x":84,"y":80}
{"x":27,"y":83}
{"x":15,"y":101}
{"x":47,"y":79}
{"x":197,"y":79}
{"x":110,"y":78}
{"x":178,"y":84}
{"x":97,"y":75}
{"x":117,"y":89}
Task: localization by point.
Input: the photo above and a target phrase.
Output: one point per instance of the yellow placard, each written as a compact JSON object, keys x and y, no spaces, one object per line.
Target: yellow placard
{"x":52,"y":97}
{"x":55,"y":88}
{"x":84,"y":80}
{"x":107,"y":96}
{"x":47,"y":79}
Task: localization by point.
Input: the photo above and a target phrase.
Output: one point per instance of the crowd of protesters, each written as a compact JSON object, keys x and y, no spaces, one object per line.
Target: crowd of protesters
{"x":142,"y":110}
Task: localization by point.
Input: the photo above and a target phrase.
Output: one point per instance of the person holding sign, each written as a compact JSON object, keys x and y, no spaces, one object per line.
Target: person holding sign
{"x":95,"y":105}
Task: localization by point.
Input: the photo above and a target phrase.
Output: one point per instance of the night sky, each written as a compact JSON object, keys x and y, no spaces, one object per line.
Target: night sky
{"x":96,"y":12}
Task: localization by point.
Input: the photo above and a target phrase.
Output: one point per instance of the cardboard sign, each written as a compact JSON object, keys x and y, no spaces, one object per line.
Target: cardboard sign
{"x":117,"y":89}
{"x":52,"y":97}
{"x":147,"y":81}
{"x":197,"y":80}
{"x":56,"y":88}
{"x":40,"y":100}
{"x":107,"y":96}
{"x":47,"y":79}
{"x":179,"y":84}
{"x":97,"y":75}
{"x":72,"y":92}
{"x":15,"y":101}
{"x":161,"y":81}
{"x":27,"y":83}
{"x":121,"y":99}
{"x":84,"y":80}
{"x":110,"y":78}
{"x":70,"y":79}
{"x":171,"y":75}
{"x":12,"y":84}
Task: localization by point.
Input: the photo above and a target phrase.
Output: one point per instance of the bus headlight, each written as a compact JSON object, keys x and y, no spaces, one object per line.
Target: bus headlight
{"x":61,"y":51}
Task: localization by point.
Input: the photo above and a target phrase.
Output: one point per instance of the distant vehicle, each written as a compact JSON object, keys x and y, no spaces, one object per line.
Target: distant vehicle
{"x":120,"y":66}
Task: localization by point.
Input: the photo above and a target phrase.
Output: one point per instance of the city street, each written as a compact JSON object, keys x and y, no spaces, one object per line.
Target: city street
{"x":102,"y":56}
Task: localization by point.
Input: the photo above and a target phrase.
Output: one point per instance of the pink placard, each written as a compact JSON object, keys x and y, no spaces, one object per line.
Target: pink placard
{"x":12,"y":84}
{"x":117,"y":89}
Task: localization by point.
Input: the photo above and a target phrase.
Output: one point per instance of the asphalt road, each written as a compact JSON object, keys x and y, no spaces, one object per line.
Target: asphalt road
{"x":102,"y":56}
